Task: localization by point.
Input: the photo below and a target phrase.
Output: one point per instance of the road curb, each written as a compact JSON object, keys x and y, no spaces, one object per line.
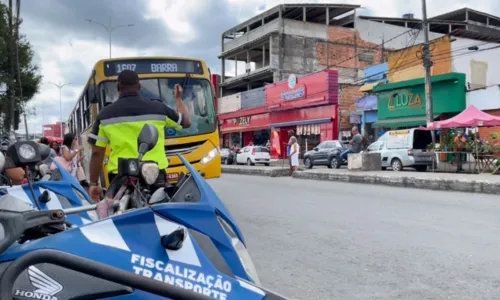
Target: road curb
{"x":474,"y":186}
{"x":271,"y":172}
{"x":407,"y":181}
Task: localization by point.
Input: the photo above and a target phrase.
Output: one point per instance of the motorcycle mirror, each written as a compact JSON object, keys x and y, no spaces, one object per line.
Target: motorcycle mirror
{"x":44,"y":151}
{"x":147,"y":138}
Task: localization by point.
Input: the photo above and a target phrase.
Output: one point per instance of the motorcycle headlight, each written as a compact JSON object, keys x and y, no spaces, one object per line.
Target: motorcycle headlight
{"x":210,"y":156}
{"x":27,"y":152}
{"x":150,"y":172}
{"x":241,"y":250}
{"x":132,"y":166}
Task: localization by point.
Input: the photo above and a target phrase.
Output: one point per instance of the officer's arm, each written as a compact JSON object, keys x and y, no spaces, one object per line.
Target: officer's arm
{"x":98,"y":140}
{"x":183,"y":111}
{"x":176,"y":120}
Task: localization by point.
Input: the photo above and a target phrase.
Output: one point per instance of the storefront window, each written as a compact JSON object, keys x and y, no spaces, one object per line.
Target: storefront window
{"x":260,"y":137}
{"x":235,"y":138}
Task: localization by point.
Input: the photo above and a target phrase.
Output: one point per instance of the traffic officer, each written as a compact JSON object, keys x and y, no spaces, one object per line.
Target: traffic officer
{"x":120,"y":123}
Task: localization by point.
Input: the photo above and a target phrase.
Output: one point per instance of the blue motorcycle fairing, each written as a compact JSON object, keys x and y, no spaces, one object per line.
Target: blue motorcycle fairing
{"x":65,"y":188}
{"x":114,"y":241}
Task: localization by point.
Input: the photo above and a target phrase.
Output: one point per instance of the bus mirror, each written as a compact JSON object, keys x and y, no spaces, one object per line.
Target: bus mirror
{"x":103,"y":96}
{"x":93,"y":91}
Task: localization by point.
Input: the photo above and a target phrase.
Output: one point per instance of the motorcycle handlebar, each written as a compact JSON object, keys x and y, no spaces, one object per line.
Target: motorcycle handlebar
{"x":92,"y":268}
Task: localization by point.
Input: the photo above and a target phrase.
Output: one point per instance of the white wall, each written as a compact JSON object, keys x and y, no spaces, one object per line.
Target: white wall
{"x":484,"y":99}
{"x":300,"y":28}
{"x":229,"y":103}
{"x":376,"y":32}
{"x":462,"y":57}
{"x":252,"y":35}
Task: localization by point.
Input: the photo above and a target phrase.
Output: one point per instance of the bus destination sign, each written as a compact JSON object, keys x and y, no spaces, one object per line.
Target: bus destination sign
{"x":148,"y":66}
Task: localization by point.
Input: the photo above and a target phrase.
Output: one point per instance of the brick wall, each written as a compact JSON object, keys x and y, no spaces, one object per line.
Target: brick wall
{"x":344,"y":44}
{"x":347,"y":103}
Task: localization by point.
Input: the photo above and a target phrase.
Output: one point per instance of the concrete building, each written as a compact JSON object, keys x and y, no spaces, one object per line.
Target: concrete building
{"x":292,"y":39}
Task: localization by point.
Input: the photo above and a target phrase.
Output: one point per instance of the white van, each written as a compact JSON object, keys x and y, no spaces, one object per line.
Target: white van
{"x":404,"y":148}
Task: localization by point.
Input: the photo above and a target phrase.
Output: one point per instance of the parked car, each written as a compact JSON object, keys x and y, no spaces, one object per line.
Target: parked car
{"x":404,"y":148}
{"x":326,"y":153}
{"x":252,"y":155}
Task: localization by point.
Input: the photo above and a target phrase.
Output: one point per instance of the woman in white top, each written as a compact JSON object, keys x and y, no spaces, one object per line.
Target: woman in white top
{"x":294,"y":154}
{"x":70,"y":151}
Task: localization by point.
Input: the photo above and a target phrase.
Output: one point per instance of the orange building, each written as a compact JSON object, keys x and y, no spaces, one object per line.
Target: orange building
{"x":407,"y":64}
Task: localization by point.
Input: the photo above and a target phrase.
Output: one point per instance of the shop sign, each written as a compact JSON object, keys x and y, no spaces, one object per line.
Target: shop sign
{"x":354,"y":118}
{"x":365,"y":103}
{"x":242,"y":121}
{"x":292,"y":81}
{"x":404,"y":99}
{"x":295,"y":94}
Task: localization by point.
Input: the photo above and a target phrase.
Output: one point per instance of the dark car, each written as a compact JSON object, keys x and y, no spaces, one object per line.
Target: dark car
{"x":326,"y":154}
{"x":227,"y":156}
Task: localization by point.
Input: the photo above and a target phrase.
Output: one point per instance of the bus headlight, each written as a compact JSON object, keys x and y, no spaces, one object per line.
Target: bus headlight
{"x":210,"y":156}
{"x":242,"y":252}
{"x":150,"y":172}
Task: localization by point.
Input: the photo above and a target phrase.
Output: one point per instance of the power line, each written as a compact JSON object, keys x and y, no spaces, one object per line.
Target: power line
{"x":406,"y":64}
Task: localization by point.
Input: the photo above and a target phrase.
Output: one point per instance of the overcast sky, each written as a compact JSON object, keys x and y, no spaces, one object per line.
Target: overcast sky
{"x":67,"y":47}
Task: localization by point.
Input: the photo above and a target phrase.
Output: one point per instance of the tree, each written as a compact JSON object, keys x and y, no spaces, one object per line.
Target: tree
{"x":30,"y":76}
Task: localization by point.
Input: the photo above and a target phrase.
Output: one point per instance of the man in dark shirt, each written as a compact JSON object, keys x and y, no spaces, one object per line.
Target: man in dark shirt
{"x":120,"y":123}
{"x":356,"y":143}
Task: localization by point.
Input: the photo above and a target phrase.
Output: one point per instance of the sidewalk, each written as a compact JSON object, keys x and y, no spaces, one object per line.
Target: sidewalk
{"x":473,"y":183}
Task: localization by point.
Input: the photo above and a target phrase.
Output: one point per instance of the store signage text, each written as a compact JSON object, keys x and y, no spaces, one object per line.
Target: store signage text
{"x":295,"y":94}
{"x":403,"y":100}
{"x":242,"y":121}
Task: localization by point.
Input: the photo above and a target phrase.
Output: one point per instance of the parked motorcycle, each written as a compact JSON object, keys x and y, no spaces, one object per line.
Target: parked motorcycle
{"x":184,"y":245}
{"x":46,"y":190}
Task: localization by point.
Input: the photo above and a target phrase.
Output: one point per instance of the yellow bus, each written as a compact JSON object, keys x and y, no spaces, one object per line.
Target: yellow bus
{"x":199,"y":144}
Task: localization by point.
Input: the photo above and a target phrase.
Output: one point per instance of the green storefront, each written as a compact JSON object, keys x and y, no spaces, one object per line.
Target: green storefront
{"x":402,"y":104}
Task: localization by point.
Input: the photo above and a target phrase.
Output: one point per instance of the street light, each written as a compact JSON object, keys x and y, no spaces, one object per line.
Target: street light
{"x":109,"y":28}
{"x":60,"y":86}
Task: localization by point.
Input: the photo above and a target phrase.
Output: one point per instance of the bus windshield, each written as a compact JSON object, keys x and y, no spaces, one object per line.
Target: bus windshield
{"x":197,"y":97}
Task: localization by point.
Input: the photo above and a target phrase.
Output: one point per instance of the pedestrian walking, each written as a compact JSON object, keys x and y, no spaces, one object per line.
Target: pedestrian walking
{"x":291,"y":135}
{"x":459,"y":142}
{"x":294,"y":155}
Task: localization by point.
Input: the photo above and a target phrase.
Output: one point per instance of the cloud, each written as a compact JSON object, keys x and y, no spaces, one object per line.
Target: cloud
{"x":67,"y":46}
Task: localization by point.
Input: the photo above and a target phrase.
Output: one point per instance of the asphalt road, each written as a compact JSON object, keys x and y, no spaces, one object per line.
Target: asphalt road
{"x":323,"y":240}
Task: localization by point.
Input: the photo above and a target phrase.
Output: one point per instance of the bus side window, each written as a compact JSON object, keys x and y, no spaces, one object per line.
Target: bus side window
{"x":78,"y":118}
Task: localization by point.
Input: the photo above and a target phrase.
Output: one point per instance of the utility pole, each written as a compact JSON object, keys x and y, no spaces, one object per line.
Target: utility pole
{"x":428,"y":76}
{"x":18,"y":67}
{"x":60,"y":86}
{"x":10,"y":87}
{"x":109,"y":28}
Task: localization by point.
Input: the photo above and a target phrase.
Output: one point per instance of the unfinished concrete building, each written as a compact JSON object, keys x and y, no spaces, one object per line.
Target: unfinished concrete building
{"x":294,"y":38}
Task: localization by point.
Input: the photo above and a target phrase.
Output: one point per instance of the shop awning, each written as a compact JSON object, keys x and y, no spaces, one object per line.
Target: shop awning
{"x":402,"y":122}
{"x":303,"y":122}
{"x":243,"y":129}
{"x":368,"y":87}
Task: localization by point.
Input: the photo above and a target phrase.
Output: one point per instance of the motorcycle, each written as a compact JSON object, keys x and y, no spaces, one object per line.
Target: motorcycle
{"x":47,"y":191}
{"x":185,"y":245}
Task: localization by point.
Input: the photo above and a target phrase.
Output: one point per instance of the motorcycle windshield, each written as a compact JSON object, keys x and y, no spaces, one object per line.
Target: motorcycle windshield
{"x":190,"y":213}
{"x":63,"y":175}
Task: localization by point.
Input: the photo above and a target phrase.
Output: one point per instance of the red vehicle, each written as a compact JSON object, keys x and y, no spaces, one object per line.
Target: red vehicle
{"x":54,"y":139}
